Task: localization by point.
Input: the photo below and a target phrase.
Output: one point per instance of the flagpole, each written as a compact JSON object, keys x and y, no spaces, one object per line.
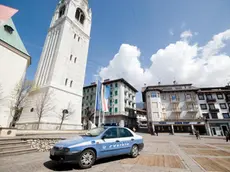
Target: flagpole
{"x":95,"y":109}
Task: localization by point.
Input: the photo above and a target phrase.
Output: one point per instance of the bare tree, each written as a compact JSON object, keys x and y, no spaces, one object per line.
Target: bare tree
{"x":66,"y":113}
{"x":18,"y":99}
{"x":43,"y":105}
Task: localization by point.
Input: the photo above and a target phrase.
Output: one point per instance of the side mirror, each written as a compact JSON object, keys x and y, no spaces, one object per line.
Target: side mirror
{"x":103,"y":137}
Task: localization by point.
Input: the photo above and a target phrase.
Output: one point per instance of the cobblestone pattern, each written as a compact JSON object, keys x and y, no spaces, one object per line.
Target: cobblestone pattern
{"x":42,"y":145}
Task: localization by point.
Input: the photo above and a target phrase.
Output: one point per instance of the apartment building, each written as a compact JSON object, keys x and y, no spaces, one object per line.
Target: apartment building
{"x":122,"y":102}
{"x":141,"y":117}
{"x":173,"y":108}
{"x":214,"y":105}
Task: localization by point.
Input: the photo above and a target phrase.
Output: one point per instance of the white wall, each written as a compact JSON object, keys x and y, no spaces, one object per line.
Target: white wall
{"x":12,"y":70}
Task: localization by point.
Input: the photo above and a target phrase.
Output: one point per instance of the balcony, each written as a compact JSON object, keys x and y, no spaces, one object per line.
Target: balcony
{"x":211,"y":100}
{"x":175,"y":101}
{"x":176,"y":110}
{"x":192,"y":109}
{"x":190,"y":99}
{"x":214,"y":110}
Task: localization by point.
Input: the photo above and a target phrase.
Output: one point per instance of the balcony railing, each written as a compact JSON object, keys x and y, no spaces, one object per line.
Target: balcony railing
{"x":190,"y":99}
{"x":176,"y":109}
{"x":211,"y":100}
{"x":214,"y":110}
{"x":176,"y":100}
{"x":192,"y":109}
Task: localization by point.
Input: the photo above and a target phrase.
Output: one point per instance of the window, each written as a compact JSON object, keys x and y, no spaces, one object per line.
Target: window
{"x":32,"y":109}
{"x":115,"y":84}
{"x":214,"y":115}
{"x":87,"y":97}
{"x":111,"y":93}
{"x":75,"y":35}
{"x":110,"y":110}
{"x":201,"y":96}
{"x":223,"y":106}
{"x":209,"y":96}
{"x":78,"y":39}
{"x":90,"y":104}
{"x":8,"y":29}
{"x":66,"y":81}
{"x":226,"y":115}
{"x":153,"y":94}
{"x":206,"y":115}
{"x":116,"y":101}
{"x":91,"y":97}
{"x":111,"y":133}
{"x":71,"y":83}
{"x":115,"y":93}
{"x":111,"y":85}
{"x":124,"y":133}
{"x":111,"y":102}
{"x":92,"y":89}
{"x":79,"y":15}
{"x":71,"y":57}
{"x":75,"y":59}
{"x":203,"y":106}
{"x":211,"y":106}
{"x":62,"y":11}
{"x":116,"y":110}
{"x":220,"y":96}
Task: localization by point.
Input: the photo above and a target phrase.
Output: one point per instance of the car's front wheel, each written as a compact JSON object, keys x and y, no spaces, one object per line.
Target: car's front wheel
{"x":87,"y":158}
{"x":134,"y":151}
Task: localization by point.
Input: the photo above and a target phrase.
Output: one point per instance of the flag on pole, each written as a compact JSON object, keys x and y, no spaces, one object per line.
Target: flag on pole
{"x":105,"y":98}
{"x":98,"y":98}
{"x":6,"y":13}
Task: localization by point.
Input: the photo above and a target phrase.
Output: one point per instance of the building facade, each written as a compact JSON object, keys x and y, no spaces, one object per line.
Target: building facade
{"x":14,"y":61}
{"x":214,"y":103}
{"x":141,"y":118}
{"x":173,"y":108}
{"x":61,"y":69}
{"x":122,"y":102}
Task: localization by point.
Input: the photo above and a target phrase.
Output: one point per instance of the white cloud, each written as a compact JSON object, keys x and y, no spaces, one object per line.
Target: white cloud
{"x":186,"y":35}
{"x":171,"y":32}
{"x":188,"y":63}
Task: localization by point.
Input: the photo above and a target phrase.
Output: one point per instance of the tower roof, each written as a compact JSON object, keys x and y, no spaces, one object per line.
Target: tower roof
{"x":13,"y":39}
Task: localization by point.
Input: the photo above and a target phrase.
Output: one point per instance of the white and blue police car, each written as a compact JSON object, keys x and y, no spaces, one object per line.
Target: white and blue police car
{"x":97,"y":143}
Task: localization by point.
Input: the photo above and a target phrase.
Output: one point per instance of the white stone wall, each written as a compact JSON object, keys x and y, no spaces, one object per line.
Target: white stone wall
{"x":12,"y":70}
{"x":51,"y":119}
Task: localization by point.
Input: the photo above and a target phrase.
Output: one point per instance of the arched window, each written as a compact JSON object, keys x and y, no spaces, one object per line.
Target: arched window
{"x":66,"y":81}
{"x":80,"y":16}
{"x":75,"y":59}
{"x":71,"y":83}
{"x":61,"y":11}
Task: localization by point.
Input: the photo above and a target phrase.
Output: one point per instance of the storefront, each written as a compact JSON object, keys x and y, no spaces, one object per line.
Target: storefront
{"x":219,"y":127}
{"x":180,"y":127}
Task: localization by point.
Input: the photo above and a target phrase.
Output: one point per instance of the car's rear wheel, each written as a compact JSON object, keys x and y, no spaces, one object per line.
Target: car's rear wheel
{"x":87,"y":158}
{"x":134,"y":151}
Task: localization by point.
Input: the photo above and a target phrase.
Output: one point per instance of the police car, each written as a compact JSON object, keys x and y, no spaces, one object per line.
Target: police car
{"x":97,"y":143}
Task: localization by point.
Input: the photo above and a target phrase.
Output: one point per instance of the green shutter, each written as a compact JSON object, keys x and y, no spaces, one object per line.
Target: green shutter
{"x":116,"y":110}
{"x":115,"y":93}
{"x":115,"y":101}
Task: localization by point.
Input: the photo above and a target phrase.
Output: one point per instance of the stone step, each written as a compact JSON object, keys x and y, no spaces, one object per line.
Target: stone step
{"x":17,"y":152}
{"x":12,"y":143}
{"x":15,"y":147}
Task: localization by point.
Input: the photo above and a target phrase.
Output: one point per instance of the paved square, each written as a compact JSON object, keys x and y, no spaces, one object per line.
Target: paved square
{"x":168,"y":161}
{"x":161,"y":153}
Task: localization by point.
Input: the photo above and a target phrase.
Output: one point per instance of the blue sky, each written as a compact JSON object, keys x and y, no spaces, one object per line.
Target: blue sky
{"x":146,"y":24}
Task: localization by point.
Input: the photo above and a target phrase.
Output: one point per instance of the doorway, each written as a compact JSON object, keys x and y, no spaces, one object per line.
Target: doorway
{"x":224,"y":129}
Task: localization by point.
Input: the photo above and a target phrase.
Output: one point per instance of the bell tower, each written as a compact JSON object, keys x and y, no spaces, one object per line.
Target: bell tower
{"x":62,"y":64}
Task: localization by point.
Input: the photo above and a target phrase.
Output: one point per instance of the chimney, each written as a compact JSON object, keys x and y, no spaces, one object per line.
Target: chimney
{"x":174,"y":82}
{"x":159,"y":83}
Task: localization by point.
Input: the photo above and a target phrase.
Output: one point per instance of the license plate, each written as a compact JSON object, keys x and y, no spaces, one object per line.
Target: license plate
{"x":52,"y":152}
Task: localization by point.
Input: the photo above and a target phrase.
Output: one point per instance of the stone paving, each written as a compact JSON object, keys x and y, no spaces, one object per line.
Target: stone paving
{"x":161,"y":153}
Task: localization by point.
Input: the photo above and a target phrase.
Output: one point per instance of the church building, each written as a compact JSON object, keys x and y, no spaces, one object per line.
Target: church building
{"x":57,"y":98}
{"x":14,"y":61}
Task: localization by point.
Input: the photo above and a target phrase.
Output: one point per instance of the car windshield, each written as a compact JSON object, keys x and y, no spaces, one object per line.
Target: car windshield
{"x":95,"y":131}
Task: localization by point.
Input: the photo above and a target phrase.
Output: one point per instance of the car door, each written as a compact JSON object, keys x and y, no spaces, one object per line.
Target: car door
{"x":126,"y":140}
{"x":108,"y":144}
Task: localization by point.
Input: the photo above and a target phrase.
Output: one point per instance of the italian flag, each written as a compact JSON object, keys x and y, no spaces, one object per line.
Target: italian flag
{"x":6,"y":13}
